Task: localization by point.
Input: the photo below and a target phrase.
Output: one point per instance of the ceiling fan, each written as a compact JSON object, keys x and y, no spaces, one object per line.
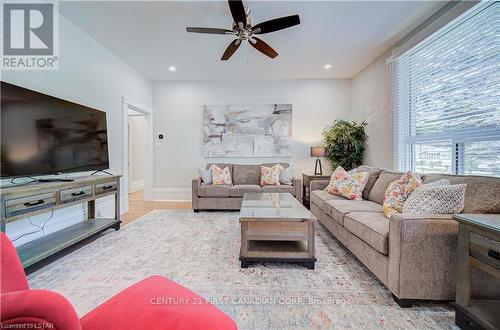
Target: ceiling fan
{"x":243,"y":29}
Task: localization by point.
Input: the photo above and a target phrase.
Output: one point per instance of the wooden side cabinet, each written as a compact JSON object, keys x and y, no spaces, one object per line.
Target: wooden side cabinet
{"x":306,"y":182}
{"x":19,"y":202}
{"x":479,"y":248}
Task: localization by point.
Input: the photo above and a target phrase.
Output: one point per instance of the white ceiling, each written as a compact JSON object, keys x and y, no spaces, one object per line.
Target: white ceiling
{"x":151,"y":36}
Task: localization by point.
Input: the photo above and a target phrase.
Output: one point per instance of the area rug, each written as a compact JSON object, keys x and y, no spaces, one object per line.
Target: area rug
{"x":200,"y":251}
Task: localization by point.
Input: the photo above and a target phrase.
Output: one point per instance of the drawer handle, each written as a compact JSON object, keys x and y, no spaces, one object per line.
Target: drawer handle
{"x":78,"y":193}
{"x":107,"y":187}
{"x":38,"y":202}
{"x":494,"y":254}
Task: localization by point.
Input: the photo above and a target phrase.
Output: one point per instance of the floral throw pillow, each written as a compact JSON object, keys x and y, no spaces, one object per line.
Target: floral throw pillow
{"x":221,"y":175}
{"x":345,"y":184}
{"x":398,"y":192}
{"x":270,"y":175}
{"x":332,"y":177}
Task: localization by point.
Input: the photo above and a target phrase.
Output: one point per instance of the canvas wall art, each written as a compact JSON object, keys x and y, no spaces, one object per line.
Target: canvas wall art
{"x":247,"y":130}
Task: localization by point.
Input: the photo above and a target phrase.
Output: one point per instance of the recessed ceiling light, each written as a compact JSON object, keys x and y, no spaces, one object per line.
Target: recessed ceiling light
{"x":327,"y":66}
{"x":172,"y":68}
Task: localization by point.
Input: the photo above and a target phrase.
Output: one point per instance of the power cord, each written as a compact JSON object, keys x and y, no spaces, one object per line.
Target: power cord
{"x":13,"y":181}
{"x":41,"y":228}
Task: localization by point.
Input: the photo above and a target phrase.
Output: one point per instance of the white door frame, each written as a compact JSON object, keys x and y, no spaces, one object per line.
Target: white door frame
{"x":147,"y":112}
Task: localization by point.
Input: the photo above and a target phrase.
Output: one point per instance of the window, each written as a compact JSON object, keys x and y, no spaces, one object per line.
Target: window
{"x":446,"y":98}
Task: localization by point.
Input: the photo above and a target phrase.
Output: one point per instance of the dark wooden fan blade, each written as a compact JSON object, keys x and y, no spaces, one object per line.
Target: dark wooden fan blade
{"x":230,"y":50}
{"x":238,"y":11}
{"x":276,"y":24}
{"x":264,"y":48}
{"x":208,"y":30}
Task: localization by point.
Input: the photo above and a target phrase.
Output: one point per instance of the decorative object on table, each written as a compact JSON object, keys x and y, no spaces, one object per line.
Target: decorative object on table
{"x":270,"y":175}
{"x":478,"y":252}
{"x":318,"y":152}
{"x":398,"y":192}
{"x":345,"y":143}
{"x":348,"y":185}
{"x":221,"y":175}
{"x":247,"y":130}
{"x":436,"y":199}
{"x":306,"y":184}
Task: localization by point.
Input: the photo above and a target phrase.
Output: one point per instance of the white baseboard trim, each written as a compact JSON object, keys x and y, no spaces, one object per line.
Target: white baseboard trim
{"x":172,"y":194}
{"x":135,"y":186}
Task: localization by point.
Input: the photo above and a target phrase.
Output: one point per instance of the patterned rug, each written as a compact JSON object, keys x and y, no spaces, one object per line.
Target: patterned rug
{"x":200,"y":251}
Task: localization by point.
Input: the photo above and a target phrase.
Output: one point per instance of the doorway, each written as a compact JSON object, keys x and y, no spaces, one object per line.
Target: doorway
{"x":137,"y":177}
{"x":136,"y":154}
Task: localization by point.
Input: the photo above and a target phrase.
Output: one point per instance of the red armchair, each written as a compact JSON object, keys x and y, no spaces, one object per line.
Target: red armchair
{"x":154,"y":303}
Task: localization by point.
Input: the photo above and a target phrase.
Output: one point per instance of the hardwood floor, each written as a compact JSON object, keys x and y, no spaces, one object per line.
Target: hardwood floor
{"x":138,"y":207}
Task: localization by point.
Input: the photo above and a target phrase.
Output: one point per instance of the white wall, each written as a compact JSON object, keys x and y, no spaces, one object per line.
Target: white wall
{"x":91,"y":75}
{"x":371,"y":103}
{"x":178,"y":115}
{"x":136,"y":153}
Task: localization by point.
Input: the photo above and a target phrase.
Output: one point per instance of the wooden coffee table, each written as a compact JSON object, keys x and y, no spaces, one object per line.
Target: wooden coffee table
{"x":275,"y":227}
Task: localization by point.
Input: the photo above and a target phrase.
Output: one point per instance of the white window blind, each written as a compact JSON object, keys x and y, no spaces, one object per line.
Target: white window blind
{"x":446,"y":98}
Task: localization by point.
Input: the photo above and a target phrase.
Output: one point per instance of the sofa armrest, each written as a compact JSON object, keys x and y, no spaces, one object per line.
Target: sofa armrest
{"x":195,"y":185}
{"x":297,"y":187}
{"x":422,"y":256}
{"x":318,"y":184}
{"x":38,"y":307}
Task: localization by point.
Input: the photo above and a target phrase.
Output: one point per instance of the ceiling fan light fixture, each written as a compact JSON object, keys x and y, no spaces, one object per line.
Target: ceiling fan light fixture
{"x":172,"y":68}
{"x":327,"y":66}
{"x":244,"y":29}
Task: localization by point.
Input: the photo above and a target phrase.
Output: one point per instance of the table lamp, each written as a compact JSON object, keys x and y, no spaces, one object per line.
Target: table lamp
{"x":318,"y":152}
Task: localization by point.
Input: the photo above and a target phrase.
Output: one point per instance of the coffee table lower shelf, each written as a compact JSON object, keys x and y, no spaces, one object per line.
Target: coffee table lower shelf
{"x":277,"y":251}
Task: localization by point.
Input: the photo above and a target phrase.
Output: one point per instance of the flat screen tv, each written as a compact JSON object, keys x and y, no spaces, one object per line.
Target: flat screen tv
{"x":42,"y":135}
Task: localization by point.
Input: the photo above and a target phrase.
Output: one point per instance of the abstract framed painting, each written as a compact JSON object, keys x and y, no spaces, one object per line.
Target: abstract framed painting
{"x":247,"y":130}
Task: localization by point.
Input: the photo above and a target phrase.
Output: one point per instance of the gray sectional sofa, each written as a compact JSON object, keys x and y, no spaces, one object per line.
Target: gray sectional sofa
{"x":413,"y":255}
{"x":246,"y":178}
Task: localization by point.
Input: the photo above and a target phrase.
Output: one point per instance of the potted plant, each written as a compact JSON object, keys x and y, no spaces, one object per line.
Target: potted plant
{"x":345,"y":143}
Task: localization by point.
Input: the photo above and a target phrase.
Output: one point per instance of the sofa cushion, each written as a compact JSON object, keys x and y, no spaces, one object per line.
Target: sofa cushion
{"x":246,"y":174}
{"x":207,"y":190}
{"x":372,"y":228}
{"x":337,"y":209}
{"x":319,"y":197}
{"x":278,"y":189}
{"x":239,"y":189}
{"x":482,"y":194}
{"x":373,"y":173}
{"x":379,"y":188}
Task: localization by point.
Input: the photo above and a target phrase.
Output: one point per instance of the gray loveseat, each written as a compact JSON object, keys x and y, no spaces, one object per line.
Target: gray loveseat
{"x":413,"y":255}
{"x":246,"y":178}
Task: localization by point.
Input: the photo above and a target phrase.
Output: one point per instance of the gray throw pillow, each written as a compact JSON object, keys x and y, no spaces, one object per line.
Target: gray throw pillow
{"x":436,"y":198}
{"x":286,"y":175}
{"x":206,"y":175}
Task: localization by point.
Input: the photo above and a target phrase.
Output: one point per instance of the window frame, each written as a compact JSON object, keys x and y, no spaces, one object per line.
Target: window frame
{"x":404,"y":142}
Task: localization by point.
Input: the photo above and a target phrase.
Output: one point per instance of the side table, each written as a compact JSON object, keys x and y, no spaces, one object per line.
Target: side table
{"x":478,"y":247}
{"x":306,"y":181}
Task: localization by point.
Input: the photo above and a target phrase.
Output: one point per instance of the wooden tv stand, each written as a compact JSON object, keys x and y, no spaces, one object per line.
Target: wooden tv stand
{"x":23,"y":201}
